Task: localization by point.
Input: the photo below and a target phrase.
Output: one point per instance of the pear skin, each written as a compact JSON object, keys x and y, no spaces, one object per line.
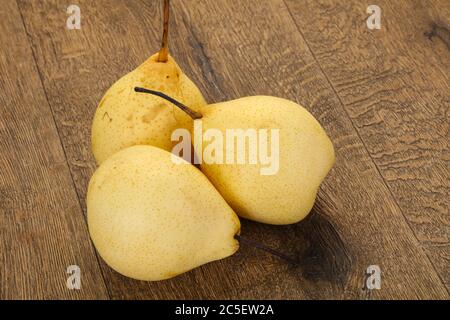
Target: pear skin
{"x":124,"y":118}
{"x":306,"y":155}
{"x":151,"y":219}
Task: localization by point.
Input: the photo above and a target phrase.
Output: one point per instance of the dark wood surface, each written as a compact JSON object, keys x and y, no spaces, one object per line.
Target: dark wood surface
{"x":382,"y":95}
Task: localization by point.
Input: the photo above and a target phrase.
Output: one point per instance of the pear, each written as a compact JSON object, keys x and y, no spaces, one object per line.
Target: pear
{"x":123,"y":119}
{"x":305,"y":157}
{"x":152,"y":219}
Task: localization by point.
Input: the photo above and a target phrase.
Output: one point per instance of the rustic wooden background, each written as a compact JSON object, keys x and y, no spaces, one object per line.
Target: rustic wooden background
{"x":382,"y":95}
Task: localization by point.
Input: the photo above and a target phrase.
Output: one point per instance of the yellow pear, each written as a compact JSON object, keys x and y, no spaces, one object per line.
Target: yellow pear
{"x":281,"y":192}
{"x":152,"y":219}
{"x":306,"y":155}
{"x":124,"y":119}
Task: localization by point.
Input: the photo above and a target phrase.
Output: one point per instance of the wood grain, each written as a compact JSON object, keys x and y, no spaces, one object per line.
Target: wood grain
{"x":268,"y":55}
{"x":394,"y":84}
{"x":41,"y":227}
{"x":232,"y":49}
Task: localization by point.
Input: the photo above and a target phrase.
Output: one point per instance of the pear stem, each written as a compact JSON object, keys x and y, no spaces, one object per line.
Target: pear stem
{"x":264,"y":248}
{"x":164,"y":52}
{"x":193,"y":114}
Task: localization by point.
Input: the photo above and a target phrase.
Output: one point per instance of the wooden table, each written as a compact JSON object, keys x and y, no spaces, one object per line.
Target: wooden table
{"x":382,"y":95}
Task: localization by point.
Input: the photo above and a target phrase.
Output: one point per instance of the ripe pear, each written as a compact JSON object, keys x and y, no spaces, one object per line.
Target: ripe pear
{"x":152,"y":219}
{"x":124,"y":119}
{"x":306,"y":155}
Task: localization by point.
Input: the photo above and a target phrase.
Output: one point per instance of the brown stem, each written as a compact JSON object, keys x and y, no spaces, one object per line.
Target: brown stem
{"x":264,"y":248}
{"x":193,"y":114}
{"x":164,"y":52}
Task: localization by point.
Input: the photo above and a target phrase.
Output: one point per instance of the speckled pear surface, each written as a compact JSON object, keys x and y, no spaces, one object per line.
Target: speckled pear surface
{"x":152,"y":219}
{"x":306,"y":157}
{"x":125,"y":118}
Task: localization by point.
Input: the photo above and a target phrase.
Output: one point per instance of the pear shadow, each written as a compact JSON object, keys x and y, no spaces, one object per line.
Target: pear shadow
{"x":318,"y":251}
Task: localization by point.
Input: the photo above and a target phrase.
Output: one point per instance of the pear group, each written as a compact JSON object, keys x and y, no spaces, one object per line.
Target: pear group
{"x":151,"y":214}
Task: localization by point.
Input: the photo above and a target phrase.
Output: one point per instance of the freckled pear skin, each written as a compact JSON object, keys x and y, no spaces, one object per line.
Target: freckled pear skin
{"x":151,"y":219}
{"x":125,"y":118}
{"x":306,"y":157}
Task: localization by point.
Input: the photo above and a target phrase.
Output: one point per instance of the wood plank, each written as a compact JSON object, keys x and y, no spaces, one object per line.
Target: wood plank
{"x":41,"y":230}
{"x":266,"y":55}
{"x":394,"y":83}
{"x":229,"y":53}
